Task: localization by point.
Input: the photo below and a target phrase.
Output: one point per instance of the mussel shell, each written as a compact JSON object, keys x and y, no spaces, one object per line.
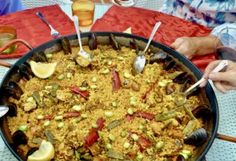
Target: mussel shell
{"x":158,"y":57}
{"x":197,"y":138}
{"x":133,"y":45}
{"x":181,"y":78}
{"x":39,"y":57}
{"x":202,"y":111}
{"x":13,"y":89}
{"x":31,"y":151}
{"x":185,"y":85}
{"x":19,"y":138}
{"x":170,"y":88}
{"x":115,"y":45}
{"x":12,"y":110}
{"x":169,"y":65}
{"x":66,"y":47}
{"x":25,"y":70}
{"x":194,"y":92}
{"x":180,"y":158}
{"x":92,"y":41}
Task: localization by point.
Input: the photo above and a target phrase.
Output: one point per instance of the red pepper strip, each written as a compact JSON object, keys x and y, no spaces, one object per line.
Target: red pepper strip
{"x":116,"y":83}
{"x":47,"y":117}
{"x":145,"y":115}
{"x":144,"y":143}
{"x":100,"y":123}
{"x":71,"y":114}
{"x":84,"y":94}
{"x":91,"y":138}
{"x":129,"y":117}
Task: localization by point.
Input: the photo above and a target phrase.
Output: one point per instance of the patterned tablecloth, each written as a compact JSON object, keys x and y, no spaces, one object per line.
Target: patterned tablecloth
{"x":220,"y":150}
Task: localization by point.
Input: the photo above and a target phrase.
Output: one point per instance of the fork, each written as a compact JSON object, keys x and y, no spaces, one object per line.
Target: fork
{"x":55,"y":34}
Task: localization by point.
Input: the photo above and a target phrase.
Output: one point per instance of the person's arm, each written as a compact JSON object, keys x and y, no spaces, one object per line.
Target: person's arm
{"x":223,"y":35}
{"x":191,"y":46}
{"x":226,"y":33}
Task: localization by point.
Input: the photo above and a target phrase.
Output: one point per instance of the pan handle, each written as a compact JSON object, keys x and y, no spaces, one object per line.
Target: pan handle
{"x":15,"y":41}
{"x":226,"y":138}
{"x":5,"y":64}
{"x":10,"y":43}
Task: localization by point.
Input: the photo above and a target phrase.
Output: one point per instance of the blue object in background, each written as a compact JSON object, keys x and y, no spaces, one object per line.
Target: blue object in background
{"x":9,"y":6}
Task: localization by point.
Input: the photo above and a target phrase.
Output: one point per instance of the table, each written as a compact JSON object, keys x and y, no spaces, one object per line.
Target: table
{"x":220,"y":150}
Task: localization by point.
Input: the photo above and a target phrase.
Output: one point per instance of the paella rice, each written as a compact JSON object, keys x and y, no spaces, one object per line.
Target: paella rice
{"x":104,"y":111}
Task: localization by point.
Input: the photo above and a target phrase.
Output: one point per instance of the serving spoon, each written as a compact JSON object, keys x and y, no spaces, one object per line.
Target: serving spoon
{"x":182,"y":98}
{"x":81,"y":52}
{"x":140,"y":60}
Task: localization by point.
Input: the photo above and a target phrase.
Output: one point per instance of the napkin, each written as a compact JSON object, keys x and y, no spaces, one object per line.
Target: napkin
{"x":142,"y":22}
{"x":35,"y":31}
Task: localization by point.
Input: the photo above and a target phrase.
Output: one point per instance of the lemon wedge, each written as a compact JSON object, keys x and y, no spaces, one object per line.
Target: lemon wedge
{"x":42,"y":70}
{"x":128,"y":31}
{"x":44,"y":153}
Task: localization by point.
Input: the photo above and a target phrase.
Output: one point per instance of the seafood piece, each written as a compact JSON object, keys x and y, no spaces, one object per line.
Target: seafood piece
{"x":197,"y":138}
{"x":92,"y":41}
{"x":180,"y":158}
{"x":12,"y":109}
{"x":115,"y":45}
{"x":169,"y":65}
{"x":65,"y":44}
{"x":39,"y":57}
{"x":116,"y":83}
{"x":203,"y":111}
{"x":19,"y":138}
{"x":31,"y":151}
{"x":25,"y":70}
{"x":170,"y":88}
{"x":185,"y":85}
{"x":158,"y":57}
{"x":181,"y":78}
{"x":13,"y":89}
{"x":133,"y":44}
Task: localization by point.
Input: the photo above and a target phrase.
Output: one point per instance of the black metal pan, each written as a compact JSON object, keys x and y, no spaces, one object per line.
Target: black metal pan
{"x":123,"y":39}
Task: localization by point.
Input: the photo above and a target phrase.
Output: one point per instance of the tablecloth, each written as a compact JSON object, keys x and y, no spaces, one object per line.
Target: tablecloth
{"x":220,"y":150}
{"x":32,"y":29}
{"x":143,"y":20}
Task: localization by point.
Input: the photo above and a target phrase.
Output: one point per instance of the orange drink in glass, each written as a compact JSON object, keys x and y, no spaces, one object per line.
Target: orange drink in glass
{"x":84,"y":9}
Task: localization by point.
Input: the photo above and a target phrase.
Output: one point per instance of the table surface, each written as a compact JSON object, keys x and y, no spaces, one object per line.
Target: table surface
{"x":220,"y":150}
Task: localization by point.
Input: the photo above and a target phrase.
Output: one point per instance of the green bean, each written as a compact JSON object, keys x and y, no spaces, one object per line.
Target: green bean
{"x":113,"y":124}
{"x":190,"y":127}
{"x":165,"y":116}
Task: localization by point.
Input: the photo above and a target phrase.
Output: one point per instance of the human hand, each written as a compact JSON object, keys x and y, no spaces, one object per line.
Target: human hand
{"x":186,"y":46}
{"x":191,"y":46}
{"x":223,"y":81}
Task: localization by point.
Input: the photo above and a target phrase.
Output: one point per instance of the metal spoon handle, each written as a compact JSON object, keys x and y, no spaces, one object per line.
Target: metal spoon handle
{"x":76,"y":24}
{"x":157,"y":25}
{"x":195,"y":85}
{"x":40,"y":15}
{"x":3,"y":110}
{"x":218,"y":68}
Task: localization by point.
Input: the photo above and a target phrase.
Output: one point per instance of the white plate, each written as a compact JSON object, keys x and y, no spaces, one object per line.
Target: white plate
{"x":128,"y":3}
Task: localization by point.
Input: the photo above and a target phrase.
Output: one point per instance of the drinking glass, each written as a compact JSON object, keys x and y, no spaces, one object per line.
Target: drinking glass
{"x":7,"y":33}
{"x":226,"y":52}
{"x":84,"y":9}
